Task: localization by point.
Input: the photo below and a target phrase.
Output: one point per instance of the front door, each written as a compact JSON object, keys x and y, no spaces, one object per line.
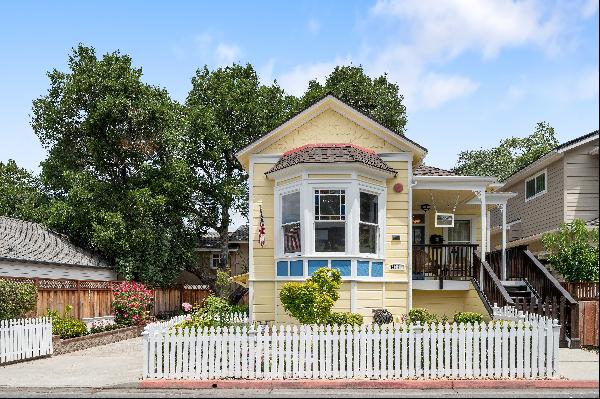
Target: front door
{"x":418,"y":235}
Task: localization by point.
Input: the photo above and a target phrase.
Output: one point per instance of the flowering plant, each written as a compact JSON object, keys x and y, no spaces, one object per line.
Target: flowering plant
{"x":131,"y":303}
{"x":187,"y":307}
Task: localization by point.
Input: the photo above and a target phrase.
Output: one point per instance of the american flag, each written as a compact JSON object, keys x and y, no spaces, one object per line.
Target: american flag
{"x":261,"y":230}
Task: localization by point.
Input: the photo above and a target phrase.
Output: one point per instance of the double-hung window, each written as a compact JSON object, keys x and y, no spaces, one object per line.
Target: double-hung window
{"x":330,"y":221}
{"x":535,"y":186}
{"x":215,"y":259}
{"x":368,"y":228}
{"x":290,"y":222}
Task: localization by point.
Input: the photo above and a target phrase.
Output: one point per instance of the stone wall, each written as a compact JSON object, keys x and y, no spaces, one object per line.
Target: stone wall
{"x":62,"y":346}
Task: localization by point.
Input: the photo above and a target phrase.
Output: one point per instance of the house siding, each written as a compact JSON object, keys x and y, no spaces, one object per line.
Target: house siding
{"x":581,"y":180}
{"x":39,"y":270}
{"x":539,"y":214}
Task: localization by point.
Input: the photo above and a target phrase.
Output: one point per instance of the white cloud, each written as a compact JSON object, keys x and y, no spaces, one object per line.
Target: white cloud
{"x":296,"y":80}
{"x":227,"y":53}
{"x":590,"y":8}
{"x":313,"y":26}
{"x":265,"y":72}
{"x":445,"y":29}
{"x":438,"y":89}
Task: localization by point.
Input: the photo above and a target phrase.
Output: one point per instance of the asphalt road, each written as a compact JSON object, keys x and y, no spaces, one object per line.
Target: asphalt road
{"x":292,"y":393}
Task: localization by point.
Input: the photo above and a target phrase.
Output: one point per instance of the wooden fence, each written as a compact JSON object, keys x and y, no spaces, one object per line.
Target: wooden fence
{"x":22,"y":339}
{"x":584,"y":291}
{"x":91,"y":298}
{"x":588,"y":323}
{"x":522,"y":349}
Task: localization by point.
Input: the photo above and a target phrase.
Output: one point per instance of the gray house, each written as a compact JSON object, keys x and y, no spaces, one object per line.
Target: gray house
{"x":30,"y":250}
{"x":559,"y":187}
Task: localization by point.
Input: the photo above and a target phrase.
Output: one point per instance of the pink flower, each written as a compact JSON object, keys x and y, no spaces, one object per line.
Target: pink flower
{"x":186,"y":306}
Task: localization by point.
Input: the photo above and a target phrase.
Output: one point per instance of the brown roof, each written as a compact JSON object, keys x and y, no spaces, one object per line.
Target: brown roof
{"x":330,"y":153}
{"x":426,"y":170}
{"x":212,"y":239}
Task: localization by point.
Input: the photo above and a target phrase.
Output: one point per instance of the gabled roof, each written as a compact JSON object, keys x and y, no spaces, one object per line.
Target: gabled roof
{"x":426,"y":170}
{"x":212,"y":238}
{"x":330,"y":153}
{"x":25,"y":241}
{"x":329,"y":101}
{"x":550,"y":157}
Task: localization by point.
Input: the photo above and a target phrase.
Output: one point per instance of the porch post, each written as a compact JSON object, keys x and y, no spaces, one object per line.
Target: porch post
{"x":483,"y":245}
{"x":502,"y":208}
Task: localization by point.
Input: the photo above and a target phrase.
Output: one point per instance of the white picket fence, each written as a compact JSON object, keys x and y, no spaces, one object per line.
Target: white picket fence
{"x":22,"y":339}
{"x":523,"y":349}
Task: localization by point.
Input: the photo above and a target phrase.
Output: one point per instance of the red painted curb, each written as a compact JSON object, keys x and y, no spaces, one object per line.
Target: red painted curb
{"x":367,"y":384}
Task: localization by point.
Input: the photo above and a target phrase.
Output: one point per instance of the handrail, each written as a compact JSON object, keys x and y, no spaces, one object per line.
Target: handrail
{"x":550,"y":277}
{"x":490,"y":285}
{"x":497,"y":282}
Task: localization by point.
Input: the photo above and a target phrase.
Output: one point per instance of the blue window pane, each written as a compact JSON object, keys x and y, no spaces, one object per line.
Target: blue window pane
{"x":313,"y":265}
{"x":363,"y":268}
{"x":282,"y":268}
{"x":377,"y":269}
{"x":296,"y":268}
{"x":343,"y":266}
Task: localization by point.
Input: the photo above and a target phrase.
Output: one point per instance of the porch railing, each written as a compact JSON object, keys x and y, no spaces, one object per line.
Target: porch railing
{"x":489,"y":287}
{"x":522,"y":265}
{"x":443,"y":261}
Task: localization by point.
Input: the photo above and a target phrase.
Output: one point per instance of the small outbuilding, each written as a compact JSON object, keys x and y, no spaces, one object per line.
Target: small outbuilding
{"x":30,"y":250}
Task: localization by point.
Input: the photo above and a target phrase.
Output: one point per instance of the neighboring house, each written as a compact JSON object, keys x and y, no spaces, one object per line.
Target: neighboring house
{"x":30,"y":250}
{"x":210,"y":251}
{"x":559,"y":187}
{"x":337,"y":189}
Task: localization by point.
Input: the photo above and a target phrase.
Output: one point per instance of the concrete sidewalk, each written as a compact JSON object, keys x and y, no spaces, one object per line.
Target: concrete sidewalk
{"x":578,"y":364}
{"x":117,"y":364}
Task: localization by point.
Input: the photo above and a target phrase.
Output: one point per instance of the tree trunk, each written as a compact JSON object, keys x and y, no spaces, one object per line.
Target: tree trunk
{"x":224,"y":233}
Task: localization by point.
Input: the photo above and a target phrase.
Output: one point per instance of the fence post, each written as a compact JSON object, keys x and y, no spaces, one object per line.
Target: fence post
{"x":575,"y":339}
{"x":146,"y":349}
{"x":555,"y":342}
{"x":78,"y":300}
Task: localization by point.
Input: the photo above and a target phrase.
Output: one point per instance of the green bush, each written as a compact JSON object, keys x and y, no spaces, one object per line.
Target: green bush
{"x":344,"y":318}
{"x":382,"y":316}
{"x":468,"y":317}
{"x":573,"y":251}
{"x":213,"y":312}
{"x":424,"y":316}
{"x":16,"y":299}
{"x":310,"y":302}
{"x":66,"y":326}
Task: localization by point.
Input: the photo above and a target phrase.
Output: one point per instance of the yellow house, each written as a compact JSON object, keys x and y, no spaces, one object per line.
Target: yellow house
{"x":337,"y":189}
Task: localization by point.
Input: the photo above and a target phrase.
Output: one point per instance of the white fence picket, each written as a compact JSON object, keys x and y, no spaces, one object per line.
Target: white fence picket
{"x":22,"y":339}
{"x":526,"y":347}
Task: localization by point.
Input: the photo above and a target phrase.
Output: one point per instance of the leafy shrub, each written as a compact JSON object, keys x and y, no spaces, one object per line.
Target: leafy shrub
{"x":16,"y":299}
{"x":573,"y":251}
{"x":344,"y":318}
{"x":468,"y":317}
{"x":424,"y":316}
{"x":66,"y":326}
{"x":243,"y":309}
{"x":311,"y":302}
{"x":213,"y":312}
{"x":382,"y":316}
{"x":131,"y":303}
{"x":103,"y":328}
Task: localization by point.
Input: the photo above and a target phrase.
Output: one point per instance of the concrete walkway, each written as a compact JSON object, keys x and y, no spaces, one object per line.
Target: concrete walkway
{"x":117,"y":364}
{"x":578,"y":364}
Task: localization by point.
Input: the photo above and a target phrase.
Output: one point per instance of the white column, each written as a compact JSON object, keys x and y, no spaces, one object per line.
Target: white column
{"x":483,"y":244}
{"x":502,"y":208}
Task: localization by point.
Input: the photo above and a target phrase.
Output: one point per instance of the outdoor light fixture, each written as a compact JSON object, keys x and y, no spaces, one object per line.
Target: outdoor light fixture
{"x":425,"y":207}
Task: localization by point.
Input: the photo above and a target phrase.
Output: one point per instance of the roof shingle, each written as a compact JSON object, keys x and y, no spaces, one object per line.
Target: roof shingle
{"x":426,"y":170}
{"x":25,"y":241}
{"x":212,"y":238}
{"x":330,"y":153}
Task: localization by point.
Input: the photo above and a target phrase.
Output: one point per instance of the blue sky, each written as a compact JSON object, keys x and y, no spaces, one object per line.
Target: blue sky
{"x":472,"y":72}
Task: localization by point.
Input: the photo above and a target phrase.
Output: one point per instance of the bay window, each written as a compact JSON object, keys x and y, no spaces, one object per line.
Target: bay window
{"x":290,"y":222}
{"x":330,"y":220}
{"x":368,"y":228}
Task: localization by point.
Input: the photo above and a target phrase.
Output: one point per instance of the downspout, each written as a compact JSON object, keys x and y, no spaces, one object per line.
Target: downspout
{"x":410,"y":283}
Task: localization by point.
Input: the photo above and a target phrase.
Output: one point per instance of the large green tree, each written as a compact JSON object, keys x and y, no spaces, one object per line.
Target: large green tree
{"x":511,"y":155}
{"x":377,"y":98}
{"x":226,"y":109}
{"x":21,"y":194}
{"x":117,"y":182}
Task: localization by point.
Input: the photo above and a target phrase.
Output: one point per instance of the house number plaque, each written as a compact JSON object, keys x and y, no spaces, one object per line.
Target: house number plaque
{"x":397,"y":266}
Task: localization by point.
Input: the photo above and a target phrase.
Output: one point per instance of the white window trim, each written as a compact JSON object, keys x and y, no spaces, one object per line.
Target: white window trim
{"x":536,"y":195}
{"x":420,"y":224}
{"x":353,"y":186}
{"x":471,"y":219}
{"x":212,"y":258}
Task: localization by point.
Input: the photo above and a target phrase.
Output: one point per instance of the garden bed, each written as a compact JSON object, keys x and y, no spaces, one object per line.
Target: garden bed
{"x":62,"y":346}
